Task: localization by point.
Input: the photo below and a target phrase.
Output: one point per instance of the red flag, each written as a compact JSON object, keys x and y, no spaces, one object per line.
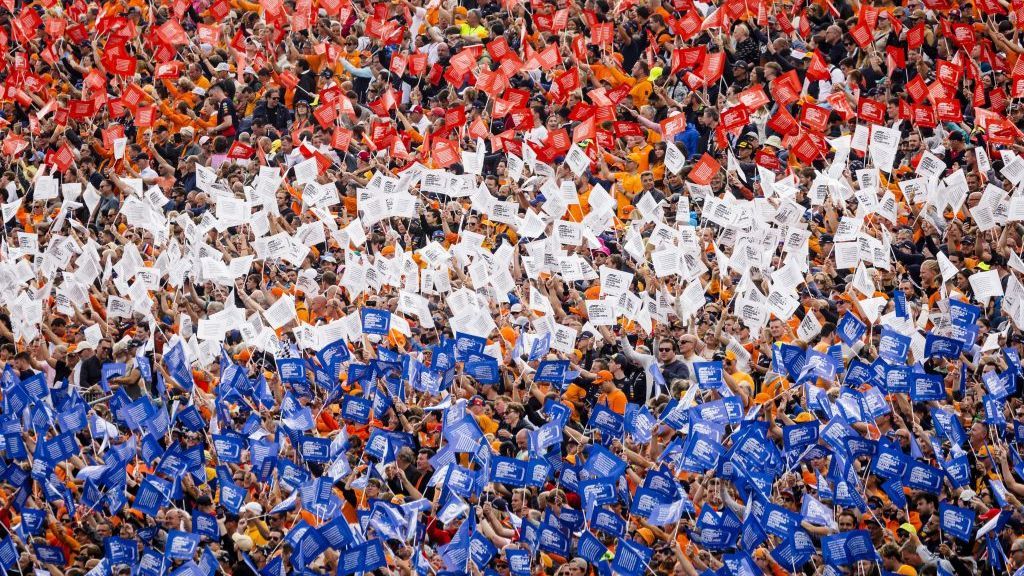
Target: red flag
{"x":145,"y":117}
{"x":714,"y":65}
{"x":753,"y":97}
{"x":817,"y":69}
{"x":806,"y":149}
{"x":948,"y":110}
{"x":704,"y":170}
{"x":241,"y":151}
{"x":498,"y":48}
{"x":673,"y":125}
{"x":478,"y":128}
{"x":399,"y":62}
{"x":689,"y":25}
{"x":861,"y":34}
{"x":785,"y":89}
{"x":947,"y":72}
{"x":602,"y":34}
{"x":783,"y":122}
{"x":585,"y":130}
{"x":14,"y":144}
{"x":915,"y":36}
{"x":734,"y":117}
{"x":445,"y":153}
{"x":814,"y":117}
{"x":341,"y":139}
{"x":549,"y":57}
{"x":918,"y":89}
{"x":871,"y":111}
{"x":172,"y":33}
{"x":624,"y":129}
{"x":64,"y":158}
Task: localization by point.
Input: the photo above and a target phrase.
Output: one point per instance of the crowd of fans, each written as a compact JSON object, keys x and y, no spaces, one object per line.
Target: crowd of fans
{"x":567,"y":288}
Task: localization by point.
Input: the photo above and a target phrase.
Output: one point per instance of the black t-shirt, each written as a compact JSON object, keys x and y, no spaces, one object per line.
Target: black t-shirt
{"x":224,"y":109}
{"x":634,"y":386}
{"x":92,"y":371}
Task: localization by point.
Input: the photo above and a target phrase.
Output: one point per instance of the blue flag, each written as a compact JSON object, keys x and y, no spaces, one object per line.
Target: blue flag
{"x":590,"y":548}
{"x":899,"y":299}
{"x":518,"y":561}
{"x":893,"y":346}
{"x":936,"y":346}
{"x":291,"y":370}
{"x":364,"y":557}
{"x":963,"y":314}
{"x":552,"y":371}
{"x":334,"y":353}
{"x":375,"y":321}
{"x":467,"y":345}
{"x":708,"y":374}
{"x":178,"y":366}
{"x":850,"y":329}
{"x":639,"y":423}
{"x":956,"y":521}
{"x":925,"y":387}
{"x":631,"y":558}
{"x":540,"y":347}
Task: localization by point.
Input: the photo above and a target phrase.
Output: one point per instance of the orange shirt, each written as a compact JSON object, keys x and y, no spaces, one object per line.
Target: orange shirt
{"x":616,"y":400}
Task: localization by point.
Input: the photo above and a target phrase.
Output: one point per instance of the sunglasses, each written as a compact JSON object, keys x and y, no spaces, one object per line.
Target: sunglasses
{"x":664,"y":349}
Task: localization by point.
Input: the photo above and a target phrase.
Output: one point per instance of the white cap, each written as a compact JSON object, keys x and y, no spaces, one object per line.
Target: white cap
{"x":242,"y":542}
{"x":223,"y":67}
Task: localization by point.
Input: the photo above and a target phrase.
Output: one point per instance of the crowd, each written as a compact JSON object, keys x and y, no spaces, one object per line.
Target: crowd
{"x":545,"y":288}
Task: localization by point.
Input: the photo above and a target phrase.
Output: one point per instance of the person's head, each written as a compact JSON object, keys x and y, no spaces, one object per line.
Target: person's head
{"x":522,"y":439}
{"x":929,"y":273}
{"x":22,"y":361}
{"x":218,"y":93}
{"x":405,"y":457}
{"x":374,"y":487}
{"x":617,"y":364}
{"x":1017,"y":551}
{"x":647,"y":181}
{"x":513,"y":413}
{"x":667,"y":351}
{"x":956,"y":141}
{"x":892,"y":557}
{"x":423,"y":459}
{"x":847,"y":521}
{"x":926,"y":504}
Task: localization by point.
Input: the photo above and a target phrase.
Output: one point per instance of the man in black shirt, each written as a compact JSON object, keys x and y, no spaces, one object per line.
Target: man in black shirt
{"x":672,"y":366}
{"x":632,"y":382}
{"x":405,"y":460}
{"x":23,"y":365}
{"x":227,"y":116}
{"x":270,"y":111}
{"x":91,"y":362}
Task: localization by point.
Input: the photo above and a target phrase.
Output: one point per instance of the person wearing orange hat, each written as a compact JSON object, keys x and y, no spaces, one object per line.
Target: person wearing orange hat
{"x":611,"y":396}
